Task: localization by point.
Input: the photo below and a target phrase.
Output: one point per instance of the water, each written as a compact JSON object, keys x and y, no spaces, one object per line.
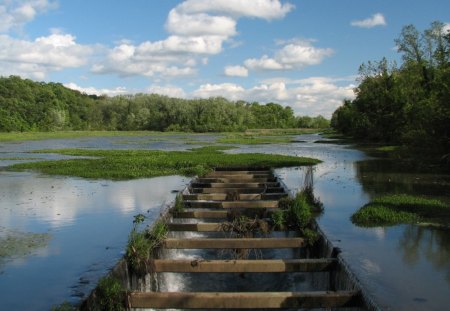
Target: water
{"x":404,"y":267}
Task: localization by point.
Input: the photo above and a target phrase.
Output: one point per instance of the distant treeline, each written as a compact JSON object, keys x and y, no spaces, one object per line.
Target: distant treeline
{"x":26,"y":105}
{"x":407,"y":104}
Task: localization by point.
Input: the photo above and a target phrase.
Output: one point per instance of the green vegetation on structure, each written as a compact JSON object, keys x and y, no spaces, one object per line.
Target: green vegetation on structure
{"x":109,"y":295}
{"x":65,"y":306}
{"x":297,"y":213}
{"x":26,"y":105}
{"x":406,"y":105}
{"x":143,"y":244}
{"x":398,"y":209}
{"x":128,"y":164}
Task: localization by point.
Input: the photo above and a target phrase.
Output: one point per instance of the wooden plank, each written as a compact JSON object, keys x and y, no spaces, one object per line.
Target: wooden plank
{"x":201,"y":227}
{"x":230,"y":243}
{"x":239,"y":176}
{"x":244,"y":300}
{"x":243,"y":266}
{"x":232,"y":204}
{"x":235,"y":185}
{"x":243,"y":172}
{"x":201,"y":214}
{"x":238,"y":190}
{"x":233,"y":180}
{"x":242,"y":196}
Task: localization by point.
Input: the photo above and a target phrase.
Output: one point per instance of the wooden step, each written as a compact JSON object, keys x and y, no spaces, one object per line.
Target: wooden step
{"x":234,"y":180}
{"x":242,"y":266}
{"x":259,"y":190}
{"x":244,"y":300}
{"x":200,"y":227}
{"x":240,"y":176}
{"x":201,"y":214}
{"x":231,"y":204}
{"x":243,"y":172}
{"x":241,"y":196}
{"x":235,"y":185}
{"x":230,"y":243}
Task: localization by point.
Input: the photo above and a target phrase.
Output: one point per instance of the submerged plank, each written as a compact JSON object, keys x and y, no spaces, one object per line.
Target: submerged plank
{"x":226,"y":243}
{"x":243,"y":300}
{"x":259,"y":190}
{"x":243,"y":266}
{"x":201,"y":214}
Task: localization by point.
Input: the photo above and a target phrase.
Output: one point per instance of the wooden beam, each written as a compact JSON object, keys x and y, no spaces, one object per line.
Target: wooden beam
{"x":241,"y":266}
{"x":235,"y":185}
{"x":244,"y":300}
{"x":239,"y":190}
{"x":230,"y":243}
{"x":242,"y":196}
{"x":232,"y":204}
{"x":201,"y":214}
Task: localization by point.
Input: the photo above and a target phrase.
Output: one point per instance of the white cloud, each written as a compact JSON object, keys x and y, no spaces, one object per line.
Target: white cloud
{"x":198,"y":29}
{"x":236,"y":71}
{"x":265,"y":9}
{"x":200,"y":24}
{"x":312,"y":96}
{"x":45,"y":54}
{"x":446,"y":28}
{"x":294,"y":55}
{"x":171,"y":91}
{"x":228,"y":90}
{"x":15,"y":14}
{"x":94,"y":91}
{"x":375,"y":20}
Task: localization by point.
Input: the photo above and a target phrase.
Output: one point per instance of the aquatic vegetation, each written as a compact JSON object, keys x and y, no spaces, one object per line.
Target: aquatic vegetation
{"x":401,"y":208}
{"x":65,"y":306}
{"x":18,"y":244}
{"x":143,"y":244}
{"x":246,"y":139}
{"x":129,"y":164}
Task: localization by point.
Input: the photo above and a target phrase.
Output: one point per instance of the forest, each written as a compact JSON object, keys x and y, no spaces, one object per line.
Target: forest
{"x":406,"y":104}
{"x":26,"y":105}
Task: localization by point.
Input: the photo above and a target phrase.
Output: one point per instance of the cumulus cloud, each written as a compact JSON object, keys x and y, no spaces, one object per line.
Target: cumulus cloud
{"x":169,"y":90}
{"x":294,"y":55}
{"x":15,"y":14}
{"x":265,"y":9}
{"x":236,"y":71}
{"x":197,"y":29}
{"x":311,"y":96}
{"x":45,"y":54}
{"x":373,"y":21}
{"x":94,"y":91}
{"x":200,"y":24}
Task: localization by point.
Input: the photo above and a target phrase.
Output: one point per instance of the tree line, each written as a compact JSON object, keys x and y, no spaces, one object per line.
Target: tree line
{"x":26,"y":105}
{"x":406,"y":104}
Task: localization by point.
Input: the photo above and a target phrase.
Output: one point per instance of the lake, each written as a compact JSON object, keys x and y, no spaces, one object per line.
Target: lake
{"x":86,"y":222}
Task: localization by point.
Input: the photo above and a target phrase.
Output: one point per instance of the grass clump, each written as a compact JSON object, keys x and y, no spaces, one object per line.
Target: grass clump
{"x":109,"y":295}
{"x":297,"y":214}
{"x":399,"y":209}
{"x":65,"y":306}
{"x":143,"y":244}
{"x":129,"y":164}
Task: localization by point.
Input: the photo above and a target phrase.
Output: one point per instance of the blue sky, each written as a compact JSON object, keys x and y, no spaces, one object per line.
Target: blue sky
{"x":303,"y":53}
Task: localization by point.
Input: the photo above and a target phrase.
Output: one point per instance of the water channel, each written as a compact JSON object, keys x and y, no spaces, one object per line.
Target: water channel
{"x":86,"y":222}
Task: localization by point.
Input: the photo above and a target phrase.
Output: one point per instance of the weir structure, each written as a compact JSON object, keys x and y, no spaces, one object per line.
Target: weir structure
{"x":241,"y":270}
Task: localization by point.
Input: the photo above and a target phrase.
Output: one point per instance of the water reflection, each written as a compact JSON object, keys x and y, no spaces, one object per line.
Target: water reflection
{"x":431,"y":243}
{"x":88,"y":221}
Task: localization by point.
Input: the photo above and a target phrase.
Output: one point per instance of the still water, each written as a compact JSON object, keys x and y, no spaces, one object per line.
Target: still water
{"x":404,"y":267}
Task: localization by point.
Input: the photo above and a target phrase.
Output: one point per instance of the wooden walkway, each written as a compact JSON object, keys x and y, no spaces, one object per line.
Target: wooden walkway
{"x":211,"y":201}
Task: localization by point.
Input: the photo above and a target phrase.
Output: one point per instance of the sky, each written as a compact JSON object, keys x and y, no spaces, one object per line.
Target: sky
{"x":304,"y":54}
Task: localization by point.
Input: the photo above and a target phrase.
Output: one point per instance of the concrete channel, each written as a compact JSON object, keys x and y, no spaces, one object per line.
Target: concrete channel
{"x":215,"y":199}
